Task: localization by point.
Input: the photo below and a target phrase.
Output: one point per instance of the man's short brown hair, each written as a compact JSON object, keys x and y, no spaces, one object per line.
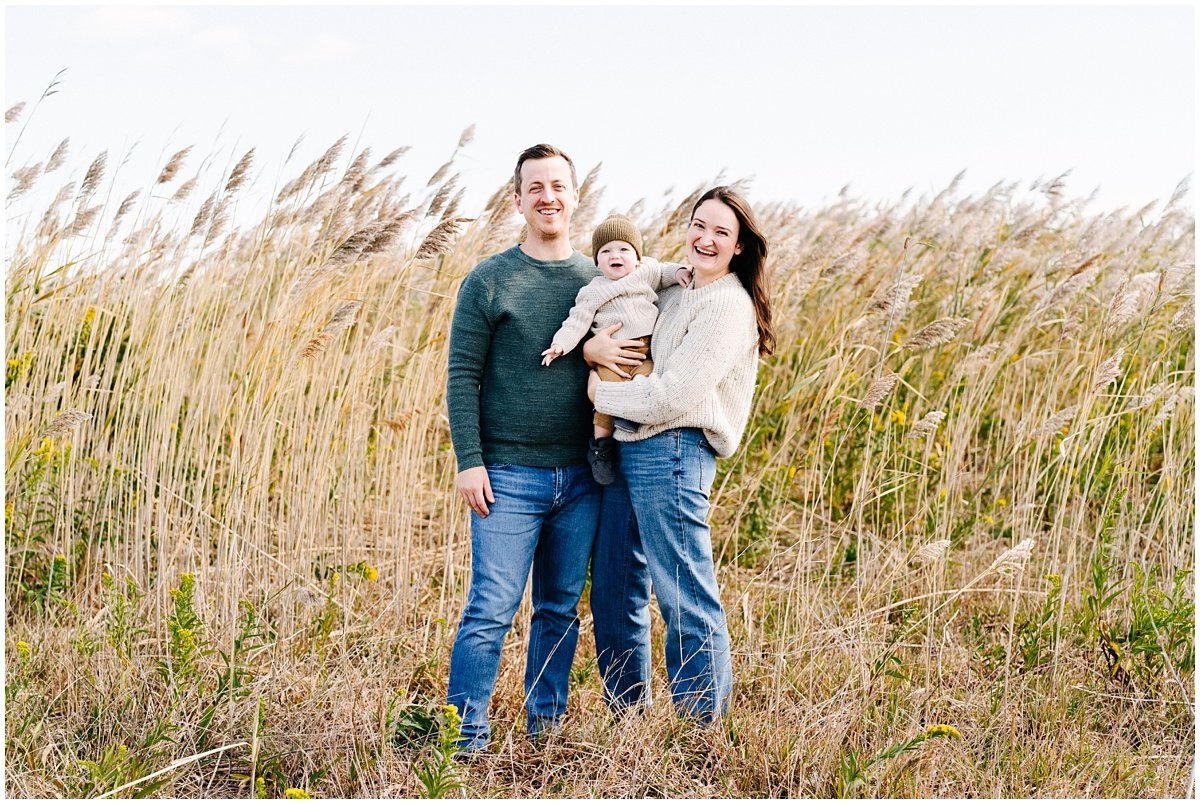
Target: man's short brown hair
{"x":541,"y":151}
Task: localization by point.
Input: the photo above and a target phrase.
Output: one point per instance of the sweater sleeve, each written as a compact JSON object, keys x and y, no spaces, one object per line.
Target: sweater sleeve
{"x":579,"y":320}
{"x":662,"y":274}
{"x":690,"y":374}
{"x":470,"y":339}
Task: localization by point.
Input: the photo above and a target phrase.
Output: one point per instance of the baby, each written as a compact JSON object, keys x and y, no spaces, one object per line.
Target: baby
{"x":625,"y":294}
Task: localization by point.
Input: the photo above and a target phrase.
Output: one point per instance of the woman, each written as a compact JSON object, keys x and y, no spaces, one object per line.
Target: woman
{"x":693,"y":408}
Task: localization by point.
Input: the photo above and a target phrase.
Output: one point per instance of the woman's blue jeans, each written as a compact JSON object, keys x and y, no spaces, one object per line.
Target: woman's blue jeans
{"x":544,"y":519}
{"x":653,"y":531}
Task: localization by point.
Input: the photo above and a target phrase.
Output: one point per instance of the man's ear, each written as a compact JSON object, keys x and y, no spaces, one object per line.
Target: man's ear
{"x":517,"y":203}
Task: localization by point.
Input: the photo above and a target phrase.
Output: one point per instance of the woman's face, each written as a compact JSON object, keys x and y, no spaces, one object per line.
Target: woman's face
{"x":712,"y":237}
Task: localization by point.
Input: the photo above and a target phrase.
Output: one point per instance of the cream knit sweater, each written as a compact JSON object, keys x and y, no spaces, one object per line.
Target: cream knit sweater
{"x":705,"y":350}
{"x":628,"y":301}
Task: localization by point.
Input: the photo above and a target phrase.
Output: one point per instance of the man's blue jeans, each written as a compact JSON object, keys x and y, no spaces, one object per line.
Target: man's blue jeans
{"x":653,"y":530}
{"x":544,"y":519}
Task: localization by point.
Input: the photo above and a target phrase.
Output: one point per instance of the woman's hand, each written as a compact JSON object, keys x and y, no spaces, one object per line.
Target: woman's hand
{"x":602,"y":350}
{"x":593,"y":381}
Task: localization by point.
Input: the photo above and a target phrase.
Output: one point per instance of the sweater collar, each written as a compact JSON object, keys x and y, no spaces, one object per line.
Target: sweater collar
{"x":726,"y":281}
{"x":569,"y":262}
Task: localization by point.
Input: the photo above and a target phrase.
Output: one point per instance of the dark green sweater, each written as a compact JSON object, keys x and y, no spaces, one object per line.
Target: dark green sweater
{"x":505,"y":407}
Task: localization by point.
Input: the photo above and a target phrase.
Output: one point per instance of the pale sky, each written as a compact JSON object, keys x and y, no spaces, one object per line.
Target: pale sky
{"x":802,"y":99}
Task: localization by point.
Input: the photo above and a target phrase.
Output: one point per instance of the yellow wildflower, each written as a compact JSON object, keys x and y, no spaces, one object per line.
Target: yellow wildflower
{"x":296,"y":792}
{"x":370,"y":573}
{"x":989,"y":520}
{"x":899,"y":417}
{"x":791,"y":472}
{"x":23,"y":648}
{"x":942,"y":730}
{"x":1001,"y":502}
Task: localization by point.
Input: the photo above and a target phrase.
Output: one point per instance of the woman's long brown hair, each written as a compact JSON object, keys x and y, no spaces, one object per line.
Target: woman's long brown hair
{"x":750,"y":264}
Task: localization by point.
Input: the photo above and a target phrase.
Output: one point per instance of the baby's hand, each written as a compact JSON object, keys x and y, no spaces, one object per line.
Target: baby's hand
{"x":550,"y":355}
{"x":683,"y":276}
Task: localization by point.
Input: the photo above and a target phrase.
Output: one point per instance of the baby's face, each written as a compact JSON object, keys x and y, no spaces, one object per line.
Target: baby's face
{"x":616,"y":258}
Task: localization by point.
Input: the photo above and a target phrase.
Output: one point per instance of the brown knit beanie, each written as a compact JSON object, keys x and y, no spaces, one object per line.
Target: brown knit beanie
{"x":616,"y":227}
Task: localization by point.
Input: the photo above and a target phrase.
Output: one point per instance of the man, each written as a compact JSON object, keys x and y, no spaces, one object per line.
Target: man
{"x":520,"y":433}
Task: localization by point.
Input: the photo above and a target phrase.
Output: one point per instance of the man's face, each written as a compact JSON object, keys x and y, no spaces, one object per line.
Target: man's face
{"x":547,"y":197}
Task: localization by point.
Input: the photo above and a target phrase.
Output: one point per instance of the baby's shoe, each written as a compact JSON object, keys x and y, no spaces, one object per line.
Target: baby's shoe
{"x":602,"y":457}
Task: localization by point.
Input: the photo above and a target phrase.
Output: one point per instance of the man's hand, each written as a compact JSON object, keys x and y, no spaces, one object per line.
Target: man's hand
{"x":602,"y":350}
{"x":683,"y":276}
{"x":550,"y":355}
{"x":476,"y":489}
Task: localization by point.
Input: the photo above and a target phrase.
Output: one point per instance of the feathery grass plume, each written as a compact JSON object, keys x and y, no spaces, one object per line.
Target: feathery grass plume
{"x":1130,"y":298}
{"x":126,"y":205}
{"x":23,"y":179}
{"x":352,"y":247}
{"x":846,"y":262}
{"x":66,"y":421}
{"x":386,"y":235}
{"x":13,"y":112}
{"x":438,"y":203}
{"x":588,"y":197}
{"x":95,"y":172}
{"x":1065,"y":291}
{"x":466,"y":137}
{"x":184,"y":190}
{"x":927,"y":424}
{"x":1012,"y":561}
{"x":440,"y":173}
{"x":440,"y":238}
{"x":173,"y":165}
{"x":353,"y":178}
{"x":896,"y":295}
{"x":879,"y":389}
{"x":1148,"y":396}
{"x":311,"y":174}
{"x":937,"y":333}
{"x":203,"y":215}
{"x":1184,"y":320}
{"x":1055,"y":423}
{"x":220,"y":217}
{"x":390,"y":159}
{"x":1181,"y":190}
{"x":1109,"y":370}
{"x":342,"y":318}
{"x":83,"y":219}
{"x":931,"y":553}
{"x":238,"y":177}
{"x":59,"y":156}
{"x":452,"y":208}
{"x":978,"y":359}
{"x":382,"y":338}
{"x":1168,"y":406}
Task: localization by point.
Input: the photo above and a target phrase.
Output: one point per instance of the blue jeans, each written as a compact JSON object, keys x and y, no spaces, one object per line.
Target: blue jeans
{"x":653,"y":530}
{"x":544,"y":519}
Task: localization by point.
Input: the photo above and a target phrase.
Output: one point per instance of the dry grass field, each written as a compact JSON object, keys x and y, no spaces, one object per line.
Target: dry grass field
{"x":956,"y":546}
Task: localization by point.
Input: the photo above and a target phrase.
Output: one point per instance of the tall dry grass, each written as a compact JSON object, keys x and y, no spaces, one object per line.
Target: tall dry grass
{"x":235,"y":558}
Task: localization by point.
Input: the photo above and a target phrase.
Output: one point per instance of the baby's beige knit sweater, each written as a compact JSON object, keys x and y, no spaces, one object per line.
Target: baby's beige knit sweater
{"x":705,"y":350}
{"x":628,"y":301}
